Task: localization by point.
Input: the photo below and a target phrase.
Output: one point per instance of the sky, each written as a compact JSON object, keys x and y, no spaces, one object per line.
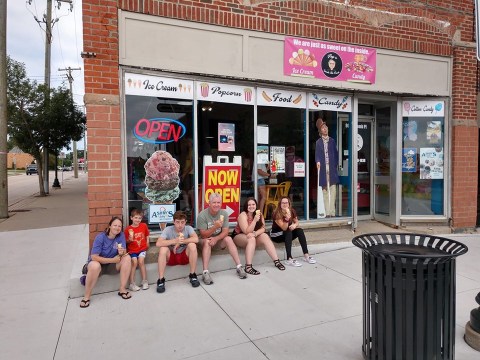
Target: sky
{"x":26,"y":42}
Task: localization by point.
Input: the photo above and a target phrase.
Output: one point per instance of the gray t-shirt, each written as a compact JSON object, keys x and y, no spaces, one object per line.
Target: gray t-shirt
{"x":170,"y":233}
{"x":205,"y":220}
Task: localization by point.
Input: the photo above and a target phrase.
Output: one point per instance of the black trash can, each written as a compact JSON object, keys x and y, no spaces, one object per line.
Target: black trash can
{"x":408,"y":296}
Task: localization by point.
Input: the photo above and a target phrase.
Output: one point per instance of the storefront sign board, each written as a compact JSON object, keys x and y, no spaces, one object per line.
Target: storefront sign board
{"x":160,"y":213}
{"x":223,"y":177}
{"x":146,"y":85}
{"x":226,"y":93}
{"x":425,"y":108}
{"x":330,"y":102}
{"x":281,"y":98}
{"x":329,"y":61}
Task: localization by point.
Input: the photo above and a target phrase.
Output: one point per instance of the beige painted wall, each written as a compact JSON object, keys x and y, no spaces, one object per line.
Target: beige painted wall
{"x":194,"y":48}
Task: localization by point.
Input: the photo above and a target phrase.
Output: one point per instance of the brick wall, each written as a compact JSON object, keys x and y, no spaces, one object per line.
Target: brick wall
{"x":430,"y":27}
{"x":21,"y":160}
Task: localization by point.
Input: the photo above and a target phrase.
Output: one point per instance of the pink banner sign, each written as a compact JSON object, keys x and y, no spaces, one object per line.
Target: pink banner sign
{"x":329,"y":61}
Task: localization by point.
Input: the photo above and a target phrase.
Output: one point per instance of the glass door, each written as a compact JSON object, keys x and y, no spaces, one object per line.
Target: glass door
{"x":364,"y":167}
{"x":384,"y":195}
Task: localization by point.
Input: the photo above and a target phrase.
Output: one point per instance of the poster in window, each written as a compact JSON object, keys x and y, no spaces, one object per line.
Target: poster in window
{"x":277,"y":159}
{"x":262,"y":154}
{"x":431,"y":163}
{"x":410,"y":130}
{"x":434,"y":132}
{"x":226,"y":137}
{"x":409,"y":160}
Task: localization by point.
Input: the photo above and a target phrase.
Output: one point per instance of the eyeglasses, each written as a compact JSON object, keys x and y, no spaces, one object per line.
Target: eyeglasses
{"x":284,"y":202}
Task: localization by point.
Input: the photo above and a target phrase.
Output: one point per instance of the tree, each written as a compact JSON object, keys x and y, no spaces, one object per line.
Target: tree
{"x":39,"y":119}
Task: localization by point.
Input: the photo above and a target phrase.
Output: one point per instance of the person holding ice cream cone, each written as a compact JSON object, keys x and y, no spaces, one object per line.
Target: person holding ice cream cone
{"x":213,"y":226}
{"x":250,"y":232}
{"x":285,"y":229}
{"x":108,"y":255}
{"x":138,"y":239}
{"x":178,"y":246}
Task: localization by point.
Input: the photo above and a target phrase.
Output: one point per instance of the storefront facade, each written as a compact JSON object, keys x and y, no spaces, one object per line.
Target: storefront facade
{"x":186,"y":92}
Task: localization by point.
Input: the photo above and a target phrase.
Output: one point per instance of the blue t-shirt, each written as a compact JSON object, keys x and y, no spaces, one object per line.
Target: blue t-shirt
{"x":170,"y":233}
{"x":106,"y":247}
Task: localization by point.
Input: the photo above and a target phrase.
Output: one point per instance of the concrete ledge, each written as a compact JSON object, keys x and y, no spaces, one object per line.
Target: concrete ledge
{"x":220,"y":261}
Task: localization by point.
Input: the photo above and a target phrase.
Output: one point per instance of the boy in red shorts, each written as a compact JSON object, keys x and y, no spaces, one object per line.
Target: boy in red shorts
{"x":138,"y":240}
{"x":178,"y":246}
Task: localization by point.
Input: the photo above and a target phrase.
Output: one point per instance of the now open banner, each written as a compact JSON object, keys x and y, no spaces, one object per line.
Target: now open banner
{"x":223,"y":177}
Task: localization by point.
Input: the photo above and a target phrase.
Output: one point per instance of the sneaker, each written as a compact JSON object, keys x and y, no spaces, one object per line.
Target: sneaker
{"x":161,"y":285}
{"x":193,"y":280}
{"x":83,"y":278}
{"x":310,"y":260}
{"x":241,"y":273}
{"x":207,"y":279}
{"x":134,"y":287}
{"x":293,"y":262}
{"x":145,"y":285}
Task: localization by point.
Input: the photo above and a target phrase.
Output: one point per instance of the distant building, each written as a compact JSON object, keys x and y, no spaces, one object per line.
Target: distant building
{"x":17,"y":159}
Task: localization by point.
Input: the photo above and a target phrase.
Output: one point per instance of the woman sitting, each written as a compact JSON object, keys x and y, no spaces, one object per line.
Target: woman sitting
{"x":285,"y":229}
{"x":108,"y":255}
{"x":250,"y":232}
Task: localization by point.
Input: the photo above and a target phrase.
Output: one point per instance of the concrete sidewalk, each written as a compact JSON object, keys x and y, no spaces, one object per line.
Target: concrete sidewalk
{"x":311,"y":312}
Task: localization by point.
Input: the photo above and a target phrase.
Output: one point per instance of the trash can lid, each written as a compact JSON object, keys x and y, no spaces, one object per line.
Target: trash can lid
{"x":410,"y":245}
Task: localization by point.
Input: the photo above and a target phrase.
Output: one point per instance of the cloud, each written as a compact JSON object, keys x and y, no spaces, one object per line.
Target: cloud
{"x":26,"y":42}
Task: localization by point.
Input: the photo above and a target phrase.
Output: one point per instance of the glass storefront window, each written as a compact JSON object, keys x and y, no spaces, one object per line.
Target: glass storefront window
{"x":212,"y":116}
{"x":286,"y":132}
{"x":423,"y":159}
{"x":336,"y":198}
{"x":157,"y":124}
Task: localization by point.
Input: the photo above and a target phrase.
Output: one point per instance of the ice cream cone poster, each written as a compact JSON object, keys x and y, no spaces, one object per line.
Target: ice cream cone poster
{"x":226,"y":137}
{"x":329,"y":61}
{"x":409,"y":160}
{"x":162,"y":178}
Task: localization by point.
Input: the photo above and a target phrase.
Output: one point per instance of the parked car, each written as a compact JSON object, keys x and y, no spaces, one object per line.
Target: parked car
{"x":31,"y":169}
{"x":67,"y":168}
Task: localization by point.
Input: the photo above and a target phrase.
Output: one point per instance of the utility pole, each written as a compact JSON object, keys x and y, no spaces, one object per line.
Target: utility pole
{"x":48,"y":50}
{"x":3,"y":111}
{"x":47,"y":19}
{"x":75,"y":160}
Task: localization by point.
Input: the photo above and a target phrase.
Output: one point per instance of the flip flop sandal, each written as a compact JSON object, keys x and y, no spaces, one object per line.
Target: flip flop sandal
{"x":279,"y":265}
{"x":84,"y":303}
{"x":125,"y":295}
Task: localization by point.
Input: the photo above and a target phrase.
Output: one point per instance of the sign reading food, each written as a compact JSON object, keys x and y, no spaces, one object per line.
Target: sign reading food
{"x":281,"y":98}
{"x":223,"y":177}
{"x":329,"y":61}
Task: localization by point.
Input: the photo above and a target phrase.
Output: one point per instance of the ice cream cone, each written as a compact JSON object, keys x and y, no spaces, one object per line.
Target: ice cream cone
{"x":221,"y":218}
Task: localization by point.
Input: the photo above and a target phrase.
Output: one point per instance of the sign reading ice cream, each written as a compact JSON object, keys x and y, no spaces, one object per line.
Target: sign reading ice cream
{"x":225,"y":93}
{"x":329,"y":61}
{"x":145,"y":85}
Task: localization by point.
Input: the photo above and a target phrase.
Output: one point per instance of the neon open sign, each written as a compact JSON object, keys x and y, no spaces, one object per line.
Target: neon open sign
{"x":159,"y":130}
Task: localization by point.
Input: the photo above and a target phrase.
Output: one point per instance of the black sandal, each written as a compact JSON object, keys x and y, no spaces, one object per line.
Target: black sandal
{"x":249,"y":269}
{"x":278,"y":265}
